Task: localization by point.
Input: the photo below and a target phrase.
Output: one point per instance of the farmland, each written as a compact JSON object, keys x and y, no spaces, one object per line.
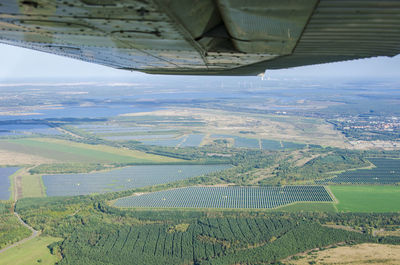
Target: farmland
{"x":367,"y":198}
{"x":32,"y":186}
{"x":5,"y":184}
{"x":122,"y":179}
{"x":227,"y":197}
{"x":67,"y":151}
{"x":387,"y":171}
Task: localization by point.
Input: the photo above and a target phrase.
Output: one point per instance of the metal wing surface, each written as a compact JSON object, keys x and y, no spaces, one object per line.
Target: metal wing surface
{"x":204,"y":37}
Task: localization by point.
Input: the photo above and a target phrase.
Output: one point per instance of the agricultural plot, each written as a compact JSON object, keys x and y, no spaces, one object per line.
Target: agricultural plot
{"x":228,"y":197}
{"x":122,"y":179}
{"x":367,"y":198}
{"x":387,"y":171}
{"x":66,"y":151}
{"x":26,"y":129}
{"x":5,"y":183}
{"x":192,"y":140}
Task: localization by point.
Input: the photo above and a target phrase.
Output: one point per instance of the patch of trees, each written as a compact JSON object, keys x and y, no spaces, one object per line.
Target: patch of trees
{"x":11,"y":230}
{"x":330,"y":160}
{"x":96,"y":233}
{"x":206,"y":241}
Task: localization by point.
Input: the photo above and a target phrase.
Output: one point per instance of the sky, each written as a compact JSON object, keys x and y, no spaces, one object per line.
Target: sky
{"x":21,"y":63}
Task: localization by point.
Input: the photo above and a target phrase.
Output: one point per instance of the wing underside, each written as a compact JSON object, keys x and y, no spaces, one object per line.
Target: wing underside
{"x":206,"y":37}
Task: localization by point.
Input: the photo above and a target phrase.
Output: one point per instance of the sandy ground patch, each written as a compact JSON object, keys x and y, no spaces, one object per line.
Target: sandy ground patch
{"x":285,"y":128}
{"x":16,"y":158}
{"x":357,"y":255}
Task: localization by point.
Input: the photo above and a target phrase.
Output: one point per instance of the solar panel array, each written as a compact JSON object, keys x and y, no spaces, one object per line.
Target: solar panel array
{"x":227,"y":197}
{"x":387,"y":171}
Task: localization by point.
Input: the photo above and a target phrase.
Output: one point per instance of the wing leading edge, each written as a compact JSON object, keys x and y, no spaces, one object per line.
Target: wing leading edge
{"x":204,"y":37}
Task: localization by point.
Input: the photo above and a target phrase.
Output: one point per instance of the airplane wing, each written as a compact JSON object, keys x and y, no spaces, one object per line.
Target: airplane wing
{"x":205,"y":37}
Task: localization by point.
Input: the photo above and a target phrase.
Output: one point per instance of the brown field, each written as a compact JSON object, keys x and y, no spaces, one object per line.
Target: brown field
{"x":357,"y":255}
{"x":8,"y":157}
{"x":277,"y":127}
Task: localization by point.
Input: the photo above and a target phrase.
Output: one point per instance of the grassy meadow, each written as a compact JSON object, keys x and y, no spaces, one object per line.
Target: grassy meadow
{"x":34,"y":251}
{"x":309,"y":207}
{"x":67,"y":151}
{"x":32,"y":186}
{"x":367,"y":198}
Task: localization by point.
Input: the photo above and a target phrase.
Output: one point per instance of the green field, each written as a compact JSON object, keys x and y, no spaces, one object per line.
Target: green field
{"x":67,"y":151}
{"x":32,"y":186}
{"x":34,"y":251}
{"x":367,"y":198}
{"x":308,"y":207}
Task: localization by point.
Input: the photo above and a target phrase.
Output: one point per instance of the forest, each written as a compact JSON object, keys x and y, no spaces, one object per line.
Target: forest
{"x":95,"y":233}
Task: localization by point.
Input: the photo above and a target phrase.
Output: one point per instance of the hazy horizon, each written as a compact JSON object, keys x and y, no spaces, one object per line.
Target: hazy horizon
{"x":20,"y":63}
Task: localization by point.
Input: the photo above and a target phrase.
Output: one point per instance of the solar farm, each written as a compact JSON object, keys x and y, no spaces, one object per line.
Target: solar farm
{"x":26,"y":129}
{"x":228,"y":197}
{"x":122,"y":179}
{"x":387,"y":171}
{"x":5,"y":183}
{"x":265,"y":144}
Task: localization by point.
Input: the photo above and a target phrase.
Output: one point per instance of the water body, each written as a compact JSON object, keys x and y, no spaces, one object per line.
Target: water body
{"x":5,"y":183}
{"x":122,"y":179}
{"x":99,"y":111}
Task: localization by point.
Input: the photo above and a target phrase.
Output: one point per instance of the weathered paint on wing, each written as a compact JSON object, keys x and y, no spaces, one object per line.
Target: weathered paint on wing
{"x":210,"y":37}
